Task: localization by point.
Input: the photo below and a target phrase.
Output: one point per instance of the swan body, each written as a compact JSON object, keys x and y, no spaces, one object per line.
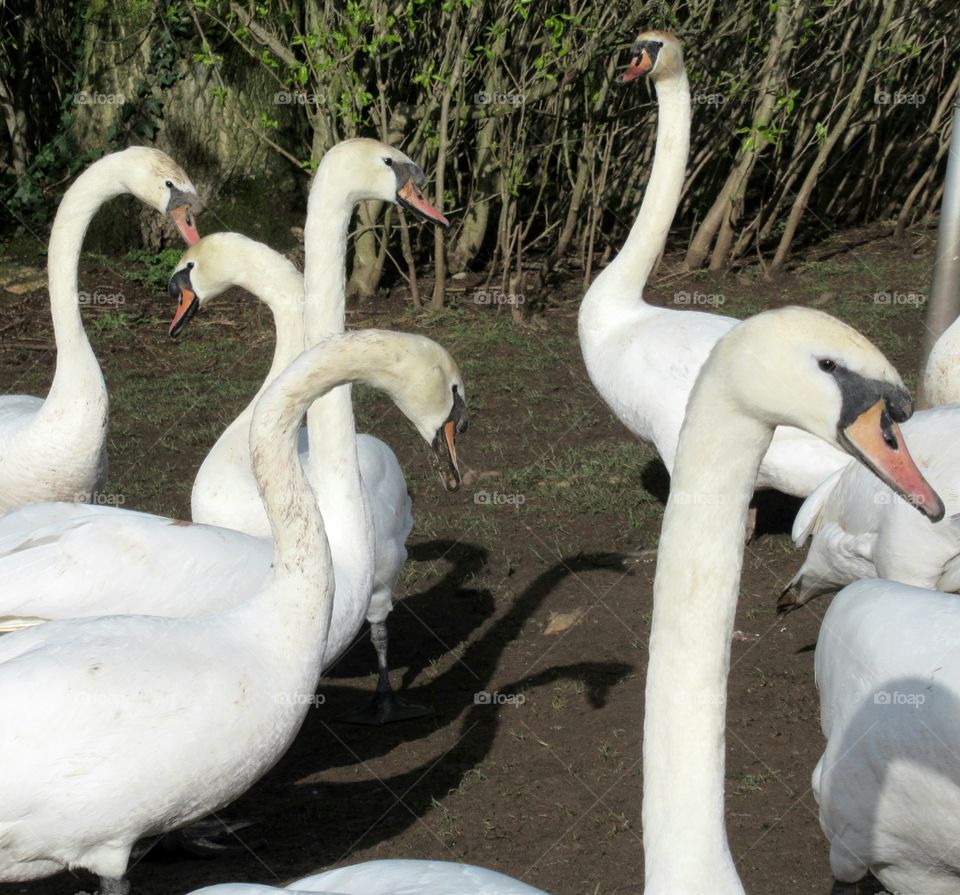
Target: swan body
{"x":123,"y":726}
{"x":55,"y":448}
{"x":860,"y":529}
{"x":643,"y":359}
{"x":888,"y":782}
{"x":786,"y":367}
{"x":392,"y":877}
{"x":941,"y":376}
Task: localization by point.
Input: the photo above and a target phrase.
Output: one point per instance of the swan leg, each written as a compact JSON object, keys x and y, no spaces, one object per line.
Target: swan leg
{"x":385,"y":707}
{"x":119,"y":886}
{"x":207,"y":838}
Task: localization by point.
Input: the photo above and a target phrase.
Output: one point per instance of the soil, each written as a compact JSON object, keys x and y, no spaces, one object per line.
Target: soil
{"x":544,"y":603}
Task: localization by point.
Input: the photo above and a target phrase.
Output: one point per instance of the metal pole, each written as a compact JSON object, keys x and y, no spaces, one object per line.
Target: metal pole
{"x":944,"y":304}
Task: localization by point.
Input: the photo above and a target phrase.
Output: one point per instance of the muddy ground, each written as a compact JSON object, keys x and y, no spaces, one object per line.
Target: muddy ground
{"x":531,"y":583}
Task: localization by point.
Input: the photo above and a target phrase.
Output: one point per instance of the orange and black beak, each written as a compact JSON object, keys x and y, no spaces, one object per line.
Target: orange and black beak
{"x":181,"y":289}
{"x":874,"y":438}
{"x":444,"y":443}
{"x":410,"y":180}
{"x":181,"y":207}
{"x":411,"y":196}
{"x":643,"y":57}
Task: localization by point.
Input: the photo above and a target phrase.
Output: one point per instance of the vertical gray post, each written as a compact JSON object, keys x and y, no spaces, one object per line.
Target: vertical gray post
{"x":944,"y":304}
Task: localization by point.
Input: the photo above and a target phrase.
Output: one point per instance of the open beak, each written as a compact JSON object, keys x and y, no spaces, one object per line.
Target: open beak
{"x":875,"y":439}
{"x":639,"y":65}
{"x":181,"y":289}
{"x":182,"y":217}
{"x":445,"y":451}
{"x":410,"y":196}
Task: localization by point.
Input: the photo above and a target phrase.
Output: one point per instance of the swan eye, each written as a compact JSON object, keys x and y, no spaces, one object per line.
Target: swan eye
{"x":827,"y":365}
{"x":388,"y":162}
{"x":190,"y":265}
{"x":169,"y":184}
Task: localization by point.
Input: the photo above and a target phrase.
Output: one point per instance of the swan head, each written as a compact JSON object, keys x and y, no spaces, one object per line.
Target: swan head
{"x":654,"y":53}
{"x":216,"y":263}
{"x":368,"y":169}
{"x":157,"y":180}
{"x":804,"y":368}
{"x":433,"y":398}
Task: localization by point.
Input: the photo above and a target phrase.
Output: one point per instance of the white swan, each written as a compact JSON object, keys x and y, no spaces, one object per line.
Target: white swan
{"x":55,"y":448}
{"x":888,"y":783}
{"x":941,"y":376}
{"x":124,"y":726}
{"x":391,"y":877}
{"x":225,"y":491}
{"x":644,"y":359}
{"x":860,"y":529}
{"x":786,"y":367}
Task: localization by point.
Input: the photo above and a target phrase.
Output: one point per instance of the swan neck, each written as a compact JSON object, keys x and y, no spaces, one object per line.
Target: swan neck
{"x":331,"y":428}
{"x":695,"y":599}
{"x":77,"y":371}
{"x":619,"y":287}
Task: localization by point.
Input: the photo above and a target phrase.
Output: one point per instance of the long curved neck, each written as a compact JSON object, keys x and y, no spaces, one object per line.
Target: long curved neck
{"x":77,"y":376}
{"x":695,"y":598}
{"x":618,"y":289}
{"x":297,"y":601}
{"x":331,"y":429}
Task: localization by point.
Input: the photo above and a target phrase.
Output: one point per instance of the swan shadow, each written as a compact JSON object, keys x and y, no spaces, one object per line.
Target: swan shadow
{"x":334,"y":819}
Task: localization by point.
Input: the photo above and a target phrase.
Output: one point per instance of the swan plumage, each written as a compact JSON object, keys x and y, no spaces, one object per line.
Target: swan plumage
{"x":118,"y":727}
{"x":391,"y":877}
{"x":887,"y":784}
{"x":55,"y":448}
{"x":644,"y":359}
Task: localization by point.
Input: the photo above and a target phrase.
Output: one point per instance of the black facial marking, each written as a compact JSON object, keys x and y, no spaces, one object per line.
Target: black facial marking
{"x":178,"y":197}
{"x":458,"y":413}
{"x":405,"y":171}
{"x":653,"y":48}
{"x":179,"y":281}
{"x":860,"y":393}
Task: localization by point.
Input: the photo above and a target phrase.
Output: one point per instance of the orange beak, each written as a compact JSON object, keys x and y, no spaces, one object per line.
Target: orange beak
{"x":183,"y":219}
{"x":410,"y":196}
{"x":638,"y":67}
{"x":875,"y":439}
{"x":185,"y":310}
